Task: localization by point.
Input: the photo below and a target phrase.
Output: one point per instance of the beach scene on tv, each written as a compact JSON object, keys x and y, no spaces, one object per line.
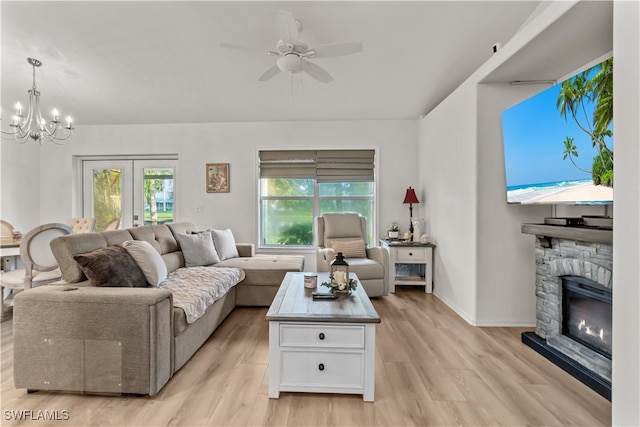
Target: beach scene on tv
{"x":558,"y":144}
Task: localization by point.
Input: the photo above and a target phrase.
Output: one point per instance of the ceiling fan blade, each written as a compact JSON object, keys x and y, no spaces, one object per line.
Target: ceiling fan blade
{"x":269,"y":74}
{"x":336,"y":49}
{"x":246,"y":48}
{"x":287,"y":27}
{"x":316,"y":72}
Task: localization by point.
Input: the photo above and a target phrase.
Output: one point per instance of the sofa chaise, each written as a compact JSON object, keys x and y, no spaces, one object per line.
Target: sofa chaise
{"x":77,"y":337}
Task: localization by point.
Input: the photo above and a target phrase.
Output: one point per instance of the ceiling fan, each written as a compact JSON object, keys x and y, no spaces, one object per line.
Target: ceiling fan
{"x":294,"y":55}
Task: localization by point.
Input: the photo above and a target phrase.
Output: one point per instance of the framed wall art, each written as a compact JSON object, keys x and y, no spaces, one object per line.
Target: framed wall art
{"x":217,"y":177}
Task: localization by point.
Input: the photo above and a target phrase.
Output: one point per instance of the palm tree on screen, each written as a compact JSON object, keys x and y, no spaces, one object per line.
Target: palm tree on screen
{"x":591,"y":89}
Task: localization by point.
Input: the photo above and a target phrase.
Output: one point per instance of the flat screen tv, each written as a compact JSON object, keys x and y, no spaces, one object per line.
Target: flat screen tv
{"x":558,"y":144}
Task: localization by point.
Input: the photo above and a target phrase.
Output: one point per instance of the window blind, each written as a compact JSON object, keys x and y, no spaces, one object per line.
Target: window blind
{"x":344,"y":165}
{"x":288,"y":164}
{"x":323,"y":165}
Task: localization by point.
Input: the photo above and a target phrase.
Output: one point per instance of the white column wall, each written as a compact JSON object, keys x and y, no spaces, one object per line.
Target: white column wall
{"x":506,"y":257}
{"x":448,"y":169}
{"x":626,"y":221}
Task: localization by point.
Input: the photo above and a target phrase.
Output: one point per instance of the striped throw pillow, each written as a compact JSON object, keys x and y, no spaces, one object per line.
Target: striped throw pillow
{"x":350,"y":248}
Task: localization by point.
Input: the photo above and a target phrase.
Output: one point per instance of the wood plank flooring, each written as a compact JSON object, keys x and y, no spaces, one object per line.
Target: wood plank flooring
{"x":432,"y":369}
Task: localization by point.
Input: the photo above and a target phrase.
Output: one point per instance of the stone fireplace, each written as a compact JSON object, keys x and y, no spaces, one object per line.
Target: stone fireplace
{"x":573,"y":300}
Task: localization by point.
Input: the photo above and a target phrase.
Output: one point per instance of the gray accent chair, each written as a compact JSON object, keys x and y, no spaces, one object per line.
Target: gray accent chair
{"x":372,"y":270}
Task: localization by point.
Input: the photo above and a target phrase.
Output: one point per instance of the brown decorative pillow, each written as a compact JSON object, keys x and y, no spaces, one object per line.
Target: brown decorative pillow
{"x":111,"y":266}
{"x":350,"y":248}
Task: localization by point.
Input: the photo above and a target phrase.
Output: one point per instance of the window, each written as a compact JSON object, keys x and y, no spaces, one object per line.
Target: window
{"x":296,"y":186}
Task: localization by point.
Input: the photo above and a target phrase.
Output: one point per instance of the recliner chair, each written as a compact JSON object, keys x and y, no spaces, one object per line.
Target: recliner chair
{"x":348,"y":231}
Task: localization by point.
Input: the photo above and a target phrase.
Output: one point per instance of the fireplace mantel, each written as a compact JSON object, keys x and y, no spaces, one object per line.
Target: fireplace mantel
{"x":581,"y":233}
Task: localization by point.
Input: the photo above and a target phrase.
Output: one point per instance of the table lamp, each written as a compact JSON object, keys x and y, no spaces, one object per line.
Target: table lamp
{"x":411,"y":198}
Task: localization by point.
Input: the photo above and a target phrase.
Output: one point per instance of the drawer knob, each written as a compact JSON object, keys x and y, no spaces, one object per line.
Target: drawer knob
{"x":410,"y":253}
{"x":321,"y":336}
{"x":321,"y":366}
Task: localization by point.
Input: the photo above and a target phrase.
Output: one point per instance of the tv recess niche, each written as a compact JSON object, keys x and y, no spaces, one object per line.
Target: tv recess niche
{"x":558,"y":144}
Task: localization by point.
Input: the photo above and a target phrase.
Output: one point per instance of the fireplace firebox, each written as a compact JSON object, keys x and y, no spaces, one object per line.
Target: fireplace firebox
{"x":586,"y":313}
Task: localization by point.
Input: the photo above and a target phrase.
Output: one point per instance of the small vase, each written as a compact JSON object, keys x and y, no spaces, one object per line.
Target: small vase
{"x":393,"y":234}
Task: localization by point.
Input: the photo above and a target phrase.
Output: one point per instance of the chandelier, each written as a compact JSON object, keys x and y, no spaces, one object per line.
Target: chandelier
{"x":33,"y":125}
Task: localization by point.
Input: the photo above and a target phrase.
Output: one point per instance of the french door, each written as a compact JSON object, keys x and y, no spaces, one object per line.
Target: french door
{"x":138,"y":192}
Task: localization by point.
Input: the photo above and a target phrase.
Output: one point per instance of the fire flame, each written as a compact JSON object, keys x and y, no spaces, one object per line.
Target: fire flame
{"x":593,"y":332}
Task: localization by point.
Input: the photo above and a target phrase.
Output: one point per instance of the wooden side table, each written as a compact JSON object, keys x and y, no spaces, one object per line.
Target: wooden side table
{"x":411,"y":263}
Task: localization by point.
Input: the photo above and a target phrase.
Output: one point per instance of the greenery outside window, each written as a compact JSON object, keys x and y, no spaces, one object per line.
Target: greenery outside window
{"x":286,"y":211}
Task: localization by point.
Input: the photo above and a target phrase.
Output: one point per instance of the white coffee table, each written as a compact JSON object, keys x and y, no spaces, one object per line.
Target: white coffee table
{"x":321,"y":346}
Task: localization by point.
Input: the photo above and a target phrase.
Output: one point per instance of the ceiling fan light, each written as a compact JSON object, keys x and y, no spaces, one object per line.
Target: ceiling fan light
{"x":290,"y":63}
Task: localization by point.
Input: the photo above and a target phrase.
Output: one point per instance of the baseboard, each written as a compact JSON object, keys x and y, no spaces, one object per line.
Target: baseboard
{"x":456,"y":309}
{"x":485,"y":323}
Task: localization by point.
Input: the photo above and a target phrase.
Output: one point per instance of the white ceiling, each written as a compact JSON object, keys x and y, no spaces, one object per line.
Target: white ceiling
{"x":145,"y":62}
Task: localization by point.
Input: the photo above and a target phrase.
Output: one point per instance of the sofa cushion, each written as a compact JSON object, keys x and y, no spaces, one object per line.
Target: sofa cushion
{"x":350,"y":248}
{"x":198,"y":249}
{"x":148,"y":259}
{"x":111,"y":266}
{"x":160,"y":237}
{"x":265,"y":269}
{"x":225,"y":244}
{"x":64,"y":248}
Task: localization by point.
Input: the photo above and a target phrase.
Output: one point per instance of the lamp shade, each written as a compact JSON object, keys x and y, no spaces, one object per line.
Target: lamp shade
{"x":410,"y":196}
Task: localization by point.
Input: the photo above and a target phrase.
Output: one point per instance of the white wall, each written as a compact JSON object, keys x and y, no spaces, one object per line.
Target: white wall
{"x":447,"y":174}
{"x":20,"y":204}
{"x":51,"y":174}
{"x":485,"y":266}
{"x":506,"y":257}
{"x":626,"y":226}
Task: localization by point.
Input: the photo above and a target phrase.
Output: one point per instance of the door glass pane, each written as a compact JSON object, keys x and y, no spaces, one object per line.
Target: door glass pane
{"x":107,"y":196}
{"x":158,"y":196}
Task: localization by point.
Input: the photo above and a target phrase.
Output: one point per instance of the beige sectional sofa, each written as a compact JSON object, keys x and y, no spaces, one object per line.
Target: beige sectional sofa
{"x":82,"y":338}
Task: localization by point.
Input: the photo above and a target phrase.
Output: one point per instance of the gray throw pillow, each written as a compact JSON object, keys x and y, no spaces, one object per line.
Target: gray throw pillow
{"x":111,"y":266}
{"x":198,"y":249}
{"x":148,"y":259}
{"x":225,"y":244}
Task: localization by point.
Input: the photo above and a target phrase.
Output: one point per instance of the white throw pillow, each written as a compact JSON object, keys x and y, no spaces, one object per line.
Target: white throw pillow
{"x":225,"y":244}
{"x":198,"y":249}
{"x":148,"y":259}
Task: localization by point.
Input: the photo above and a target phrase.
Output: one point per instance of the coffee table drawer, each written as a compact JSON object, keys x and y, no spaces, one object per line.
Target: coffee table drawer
{"x":321,"y":336}
{"x":317,"y":369}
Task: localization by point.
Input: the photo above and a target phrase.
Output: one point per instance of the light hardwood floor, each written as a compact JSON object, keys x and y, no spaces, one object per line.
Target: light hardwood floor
{"x":432,"y":368}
